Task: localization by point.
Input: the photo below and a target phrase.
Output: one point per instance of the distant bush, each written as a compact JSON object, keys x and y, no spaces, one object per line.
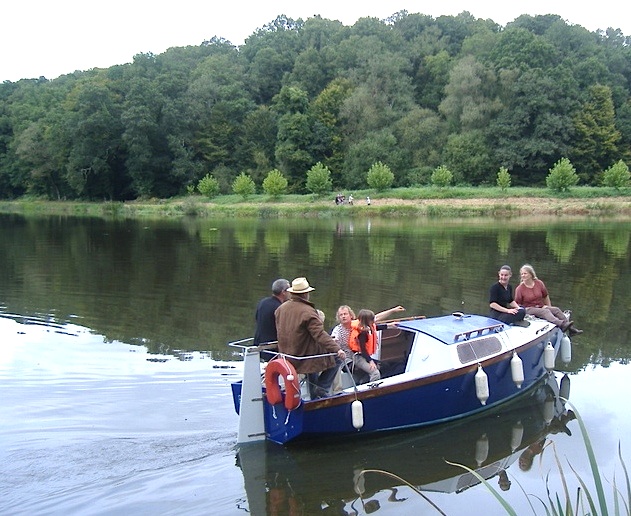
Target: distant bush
{"x":380,"y":177}
{"x":503,"y":179}
{"x":562,"y":176}
{"x":275,"y":184}
{"x":617,"y":175}
{"x":442,"y":176}
{"x":208,"y":186}
{"x":319,"y":179}
{"x":243,"y":185}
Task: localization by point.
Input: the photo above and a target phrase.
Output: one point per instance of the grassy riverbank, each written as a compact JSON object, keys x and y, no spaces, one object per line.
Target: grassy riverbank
{"x":403,"y":202}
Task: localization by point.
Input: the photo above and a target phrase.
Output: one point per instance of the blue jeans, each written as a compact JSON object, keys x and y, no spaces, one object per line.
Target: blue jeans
{"x":320,"y":383}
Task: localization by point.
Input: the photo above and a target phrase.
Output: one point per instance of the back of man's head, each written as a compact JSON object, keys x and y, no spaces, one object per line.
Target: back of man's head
{"x":279,"y":286}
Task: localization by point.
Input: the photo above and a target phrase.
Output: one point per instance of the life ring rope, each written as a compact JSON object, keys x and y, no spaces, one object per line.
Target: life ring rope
{"x":282,"y":367}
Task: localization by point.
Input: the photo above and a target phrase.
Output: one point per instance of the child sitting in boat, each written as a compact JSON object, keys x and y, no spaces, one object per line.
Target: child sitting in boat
{"x":363,"y":343}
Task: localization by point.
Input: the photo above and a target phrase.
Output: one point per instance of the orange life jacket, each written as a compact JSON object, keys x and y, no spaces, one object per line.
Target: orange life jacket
{"x":353,"y":340}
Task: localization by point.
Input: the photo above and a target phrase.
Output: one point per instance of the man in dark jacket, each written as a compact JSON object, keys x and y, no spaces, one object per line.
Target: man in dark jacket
{"x":301,"y":333}
{"x":265,"y":321}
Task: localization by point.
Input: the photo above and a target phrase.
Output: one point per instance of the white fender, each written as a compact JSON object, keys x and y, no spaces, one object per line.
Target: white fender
{"x":517,"y":370}
{"x":564,"y":388}
{"x":481,"y":385}
{"x":548,"y":357}
{"x":548,"y":409}
{"x":357,"y":414}
{"x":566,"y":349}
{"x":482,"y":449}
{"x":517,"y":434}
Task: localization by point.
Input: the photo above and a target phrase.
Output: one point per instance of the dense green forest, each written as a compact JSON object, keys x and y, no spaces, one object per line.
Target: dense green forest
{"x":413,"y":92}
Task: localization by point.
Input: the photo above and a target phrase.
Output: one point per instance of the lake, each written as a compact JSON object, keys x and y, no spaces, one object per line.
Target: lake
{"x":115,"y":371}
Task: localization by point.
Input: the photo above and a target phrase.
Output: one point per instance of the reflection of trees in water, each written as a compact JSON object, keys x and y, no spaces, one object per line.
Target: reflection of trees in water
{"x":320,"y":247}
{"x":276,"y":240}
{"x":561,"y":243}
{"x":381,"y":248}
{"x":503,"y":241}
{"x":182,"y":283}
{"x":616,"y":242}
{"x":596,"y":293}
{"x":442,"y":247}
{"x":209,"y":237}
{"x":245,"y":237}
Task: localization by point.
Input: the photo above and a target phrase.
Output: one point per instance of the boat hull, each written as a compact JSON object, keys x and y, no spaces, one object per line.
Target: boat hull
{"x":419,"y":402}
{"x":359,"y":470}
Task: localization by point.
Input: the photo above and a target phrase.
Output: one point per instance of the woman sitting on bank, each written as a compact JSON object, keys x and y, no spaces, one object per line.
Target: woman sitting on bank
{"x":532,"y":294}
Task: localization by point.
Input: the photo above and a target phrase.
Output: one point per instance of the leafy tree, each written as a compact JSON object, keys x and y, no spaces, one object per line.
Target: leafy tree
{"x":617,"y":175}
{"x":296,"y":147}
{"x":471,"y":96}
{"x":319,"y":179}
{"x":243,"y":185}
{"x":275,"y":183}
{"x":562,"y":176}
{"x":36,"y":146}
{"x":597,"y":136}
{"x":433,"y":71}
{"x":93,"y":129}
{"x":411,"y":91}
{"x":260,"y":128}
{"x":380,"y":177}
{"x":441,"y":176}
{"x":503,"y":179}
{"x":217,"y":105}
{"x":469,"y":157}
{"x":325,"y":109}
{"x":270,"y":54}
{"x":208,"y":186}
{"x":419,"y":137}
{"x":376,"y":146}
{"x":535,"y":126}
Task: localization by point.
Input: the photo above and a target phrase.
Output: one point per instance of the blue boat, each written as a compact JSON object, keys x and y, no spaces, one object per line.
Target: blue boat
{"x":496,"y":444}
{"x":436,"y":370}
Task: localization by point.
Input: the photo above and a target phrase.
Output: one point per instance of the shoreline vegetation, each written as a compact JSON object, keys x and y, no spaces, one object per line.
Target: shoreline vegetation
{"x":464,"y":202}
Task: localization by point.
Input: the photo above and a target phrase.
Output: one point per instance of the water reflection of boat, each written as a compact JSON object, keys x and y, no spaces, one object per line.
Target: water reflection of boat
{"x":433,"y":370}
{"x":302,"y":479}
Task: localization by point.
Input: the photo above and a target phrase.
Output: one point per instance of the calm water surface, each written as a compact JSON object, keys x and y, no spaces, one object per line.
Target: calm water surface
{"x":115,"y":371}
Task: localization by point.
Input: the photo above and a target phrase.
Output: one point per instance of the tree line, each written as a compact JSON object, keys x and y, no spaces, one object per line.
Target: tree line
{"x":411,"y":92}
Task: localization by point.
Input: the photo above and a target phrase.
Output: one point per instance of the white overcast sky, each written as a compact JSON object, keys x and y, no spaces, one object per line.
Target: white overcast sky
{"x":54,"y":37}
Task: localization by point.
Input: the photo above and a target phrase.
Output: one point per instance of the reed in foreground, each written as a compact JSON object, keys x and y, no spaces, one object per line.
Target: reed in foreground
{"x":580,"y":501}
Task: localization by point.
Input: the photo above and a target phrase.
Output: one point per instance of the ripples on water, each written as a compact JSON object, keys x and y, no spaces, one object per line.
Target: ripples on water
{"x":91,"y":427}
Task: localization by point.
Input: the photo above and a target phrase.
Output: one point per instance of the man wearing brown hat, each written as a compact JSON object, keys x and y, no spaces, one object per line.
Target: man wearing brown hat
{"x":301,"y":333}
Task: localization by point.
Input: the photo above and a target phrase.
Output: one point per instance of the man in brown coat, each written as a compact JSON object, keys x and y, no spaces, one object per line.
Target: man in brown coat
{"x":301,"y":333}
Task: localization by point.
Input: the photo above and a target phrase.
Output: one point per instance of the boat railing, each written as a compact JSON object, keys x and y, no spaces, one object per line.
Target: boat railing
{"x":242,"y":344}
{"x":270,"y":346}
{"x":477,"y":332}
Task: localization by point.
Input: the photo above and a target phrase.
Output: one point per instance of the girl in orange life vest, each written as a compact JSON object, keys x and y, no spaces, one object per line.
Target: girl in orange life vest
{"x":363,"y":343}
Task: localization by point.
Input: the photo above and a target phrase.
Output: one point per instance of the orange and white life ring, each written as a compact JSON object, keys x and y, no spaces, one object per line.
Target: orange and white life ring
{"x":280,"y":367}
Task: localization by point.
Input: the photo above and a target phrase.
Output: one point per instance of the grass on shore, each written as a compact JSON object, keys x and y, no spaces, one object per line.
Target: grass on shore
{"x":394,"y":203}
